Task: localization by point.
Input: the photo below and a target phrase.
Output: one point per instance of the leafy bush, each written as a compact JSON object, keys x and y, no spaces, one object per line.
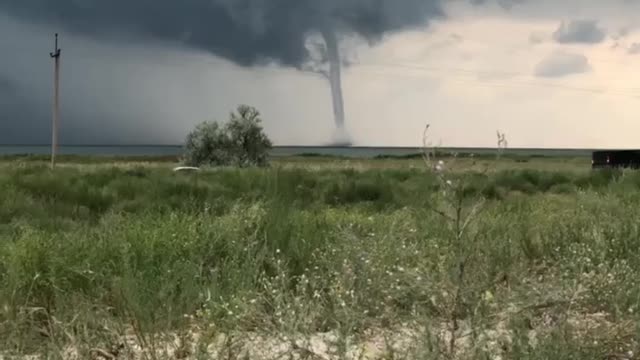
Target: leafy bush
{"x":240,"y":142}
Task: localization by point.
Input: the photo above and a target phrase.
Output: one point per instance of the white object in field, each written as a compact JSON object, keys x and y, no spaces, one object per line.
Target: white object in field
{"x":186,"y":168}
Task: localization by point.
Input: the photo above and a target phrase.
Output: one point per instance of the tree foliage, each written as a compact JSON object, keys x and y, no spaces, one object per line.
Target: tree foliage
{"x":240,"y":142}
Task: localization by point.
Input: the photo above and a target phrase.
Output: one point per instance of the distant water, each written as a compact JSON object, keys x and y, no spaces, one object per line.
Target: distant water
{"x":92,"y":150}
{"x":357,"y":152}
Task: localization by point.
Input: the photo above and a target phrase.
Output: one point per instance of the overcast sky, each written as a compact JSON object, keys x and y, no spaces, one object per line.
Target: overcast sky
{"x":548,"y":73}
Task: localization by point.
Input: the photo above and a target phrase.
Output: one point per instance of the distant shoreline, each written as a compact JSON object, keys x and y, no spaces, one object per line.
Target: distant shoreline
{"x":280,"y":151}
{"x":460,"y":148}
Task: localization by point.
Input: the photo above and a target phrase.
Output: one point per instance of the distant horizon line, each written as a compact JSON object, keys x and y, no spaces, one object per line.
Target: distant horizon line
{"x":314,"y":147}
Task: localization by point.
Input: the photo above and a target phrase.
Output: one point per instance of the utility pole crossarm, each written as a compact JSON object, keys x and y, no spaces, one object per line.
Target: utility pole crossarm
{"x":56,"y":53}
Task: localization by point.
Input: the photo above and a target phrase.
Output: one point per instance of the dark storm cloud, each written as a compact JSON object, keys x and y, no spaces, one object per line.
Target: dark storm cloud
{"x":17,"y":114}
{"x":6,"y":85}
{"x":7,"y":91}
{"x":579,"y":31}
{"x":114,"y":86}
{"x":245,"y":31}
{"x":560,"y":64}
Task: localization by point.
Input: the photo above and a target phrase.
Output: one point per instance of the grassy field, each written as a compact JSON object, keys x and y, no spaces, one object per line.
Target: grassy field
{"x":319,"y":258}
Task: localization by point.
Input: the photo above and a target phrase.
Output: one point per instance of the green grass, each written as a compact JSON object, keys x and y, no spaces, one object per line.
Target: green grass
{"x":103,"y":256}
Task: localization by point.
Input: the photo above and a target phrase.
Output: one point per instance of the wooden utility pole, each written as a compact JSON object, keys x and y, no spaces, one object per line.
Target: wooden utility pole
{"x":56,"y":97}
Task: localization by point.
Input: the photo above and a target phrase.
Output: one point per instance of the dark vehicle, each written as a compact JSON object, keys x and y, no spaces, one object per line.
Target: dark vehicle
{"x":616,"y":159}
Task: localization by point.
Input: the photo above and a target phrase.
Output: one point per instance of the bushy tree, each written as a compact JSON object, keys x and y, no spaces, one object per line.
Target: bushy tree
{"x":207,"y":144}
{"x":249,"y":144}
{"x":240,"y":142}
